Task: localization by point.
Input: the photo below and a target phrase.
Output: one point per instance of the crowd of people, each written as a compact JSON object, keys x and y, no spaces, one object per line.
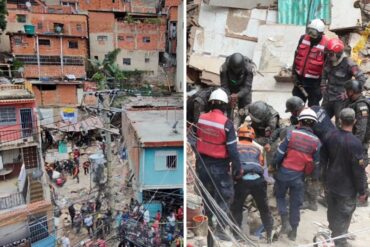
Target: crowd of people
{"x":235,"y":139}
{"x":135,"y":224}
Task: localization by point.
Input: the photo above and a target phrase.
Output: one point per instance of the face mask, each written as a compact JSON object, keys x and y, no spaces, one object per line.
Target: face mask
{"x":313,"y":33}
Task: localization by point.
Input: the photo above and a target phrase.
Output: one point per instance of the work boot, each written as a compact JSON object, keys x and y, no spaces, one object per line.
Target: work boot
{"x":310,"y":205}
{"x":269,"y":236}
{"x":292,"y":235}
{"x":285,"y":225}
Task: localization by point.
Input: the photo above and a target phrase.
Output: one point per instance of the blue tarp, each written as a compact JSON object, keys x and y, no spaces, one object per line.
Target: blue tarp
{"x":295,"y":11}
{"x":46,"y":242}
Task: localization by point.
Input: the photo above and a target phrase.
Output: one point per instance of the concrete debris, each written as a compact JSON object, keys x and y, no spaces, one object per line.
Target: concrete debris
{"x":250,"y":4}
{"x":276,"y":46}
{"x":341,"y":9}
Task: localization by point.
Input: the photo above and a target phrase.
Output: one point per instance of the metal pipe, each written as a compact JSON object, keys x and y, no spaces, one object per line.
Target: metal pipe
{"x":61,"y":55}
{"x":38,"y":56}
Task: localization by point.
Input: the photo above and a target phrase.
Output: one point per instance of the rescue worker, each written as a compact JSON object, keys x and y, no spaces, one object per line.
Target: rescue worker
{"x":265,"y":122}
{"x":337,"y":71}
{"x":86,"y":166}
{"x":322,"y":128}
{"x":309,"y":62}
{"x":216,"y":146}
{"x":361,"y":129}
{"x":76,"y":172}
{"x":236,"y":77}
{"x":197,"y":103}
{"x":342,"y":159}
{"x":297,"y":156}
{"x":252,"y":182}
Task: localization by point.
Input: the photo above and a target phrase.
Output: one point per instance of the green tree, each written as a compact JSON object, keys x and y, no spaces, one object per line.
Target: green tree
{"x":3,"y":13}
{"x":108,"y":69}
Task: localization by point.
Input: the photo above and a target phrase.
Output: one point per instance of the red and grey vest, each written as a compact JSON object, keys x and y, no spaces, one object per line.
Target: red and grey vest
{"x":309,"y":62}
{"x":249,"y":156}
{"x":301,"y":148}
{"x":211,"y":134}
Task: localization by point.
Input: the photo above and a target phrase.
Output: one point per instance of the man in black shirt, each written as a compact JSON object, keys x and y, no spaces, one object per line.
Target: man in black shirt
{"x":342,"y":159}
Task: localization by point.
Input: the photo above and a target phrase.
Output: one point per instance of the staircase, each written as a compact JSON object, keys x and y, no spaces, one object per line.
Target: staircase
{"x":36,"y":191}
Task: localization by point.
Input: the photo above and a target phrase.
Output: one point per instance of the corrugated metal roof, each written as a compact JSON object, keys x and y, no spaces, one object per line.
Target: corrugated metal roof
{"x":295,"y":12}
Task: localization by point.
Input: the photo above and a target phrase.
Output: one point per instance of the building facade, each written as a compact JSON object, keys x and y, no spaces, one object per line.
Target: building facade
{"x":155,"y":152}
{"x":51,"y":45}
{"x":25,"y":207}
{"x":140,"y":38}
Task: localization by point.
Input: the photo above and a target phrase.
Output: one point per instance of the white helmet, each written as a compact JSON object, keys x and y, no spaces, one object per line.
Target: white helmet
{"x":220,"y":95}
{"x":318,"y":25}
{"x":308,"y":114}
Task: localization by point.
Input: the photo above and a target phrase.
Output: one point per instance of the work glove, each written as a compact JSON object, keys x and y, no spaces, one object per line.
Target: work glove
{"x":362,"y":198}
{"x":234,"y":99}
{"x":342,"y":96}
{"x":268,"y":131}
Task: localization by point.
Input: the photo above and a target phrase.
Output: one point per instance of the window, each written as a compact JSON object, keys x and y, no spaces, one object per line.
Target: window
{"x":44,"y":42}
{"x":79,"y":27}
{"x":7,"y":115}
{"x":96,"y":57}
{"x":21,"y":18}
{"x":147,"y":60}
{"x":146,"y":39}
{"x":39,"y":25}
{"x":38,"y":227}
{"x":73,"y":44}
{"x":51,"y":60}
{"x":102,"y":38}
{"x":127,"y":61}
{"x":46,"y":87}
{"x":58,"y":27}
{"x":30,"y":157}
{"x":121,"y":38}
{"x":165,"y":160}
{"x":18,"y":40}
{"x":129,"y":38}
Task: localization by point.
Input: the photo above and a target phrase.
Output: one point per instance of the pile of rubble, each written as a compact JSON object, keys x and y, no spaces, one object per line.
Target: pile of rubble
{"x":268,"y":32}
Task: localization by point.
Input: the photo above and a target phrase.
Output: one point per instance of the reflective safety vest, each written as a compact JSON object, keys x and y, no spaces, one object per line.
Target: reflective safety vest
{"x":301,"y":148}
{"x":249,"y":156}
{"x":211,"y":134}
{"x":309,"y":62}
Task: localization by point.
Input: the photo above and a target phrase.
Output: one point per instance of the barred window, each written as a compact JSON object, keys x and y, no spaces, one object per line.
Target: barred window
{"x":50,"y":60}
{"x":44,"y":42}
{"x":18,"y":40}
{"x":79,"y":27}
{"x":21,"y":18}
{"x":165,"y":160}
{"x":102,"y":38}
{"x":7,"y":115}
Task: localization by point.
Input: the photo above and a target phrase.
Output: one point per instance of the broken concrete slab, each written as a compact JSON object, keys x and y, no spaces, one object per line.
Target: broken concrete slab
{"x":250,"y":4}
{"x":344,"y":15}
{"x":211,"y":38}
{"x":244,"y":24}
{"x":276,"y":46}
{"x":206,"y":63}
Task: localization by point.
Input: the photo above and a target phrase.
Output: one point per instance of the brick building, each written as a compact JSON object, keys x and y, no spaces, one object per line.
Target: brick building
{"x":171,"y":9}
{"x":140,"y":38}
{"x":25,"y":207}
{"x":57,"y":47}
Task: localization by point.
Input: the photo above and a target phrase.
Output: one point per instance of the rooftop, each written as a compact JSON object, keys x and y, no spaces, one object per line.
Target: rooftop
{"x":155,"y":128}
{"x":144,"y":102}
{"x":14,"y":92}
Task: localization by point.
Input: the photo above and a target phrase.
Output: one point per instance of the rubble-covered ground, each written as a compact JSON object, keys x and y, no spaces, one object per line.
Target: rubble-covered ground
{"x":78,"y":193}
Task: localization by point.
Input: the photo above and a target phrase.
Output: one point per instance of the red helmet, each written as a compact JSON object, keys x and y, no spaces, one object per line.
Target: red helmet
{"x":335,"y":45}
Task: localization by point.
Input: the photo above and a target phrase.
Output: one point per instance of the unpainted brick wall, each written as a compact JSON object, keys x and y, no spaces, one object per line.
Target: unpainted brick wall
{"x":63,"y":95}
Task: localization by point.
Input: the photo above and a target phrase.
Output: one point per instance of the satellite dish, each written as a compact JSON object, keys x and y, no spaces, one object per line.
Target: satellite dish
{"x":28,"y":5}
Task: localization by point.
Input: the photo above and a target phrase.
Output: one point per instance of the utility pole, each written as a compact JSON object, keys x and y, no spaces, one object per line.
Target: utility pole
{"x":108,"y":149}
